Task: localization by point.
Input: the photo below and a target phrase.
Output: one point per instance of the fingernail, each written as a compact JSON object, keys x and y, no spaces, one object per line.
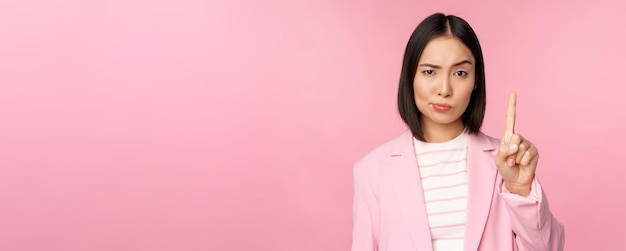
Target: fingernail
{"x":513,"y":147}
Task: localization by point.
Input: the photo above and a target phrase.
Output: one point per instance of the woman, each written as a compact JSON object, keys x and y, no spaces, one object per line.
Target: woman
{"x":443,"y":184}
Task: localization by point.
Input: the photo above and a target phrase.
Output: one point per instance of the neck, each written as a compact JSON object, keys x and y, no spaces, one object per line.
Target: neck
{"x":442,"y":133}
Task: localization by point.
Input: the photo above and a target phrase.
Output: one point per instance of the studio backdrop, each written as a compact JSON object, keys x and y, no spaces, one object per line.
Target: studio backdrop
{"x":234,"y":125}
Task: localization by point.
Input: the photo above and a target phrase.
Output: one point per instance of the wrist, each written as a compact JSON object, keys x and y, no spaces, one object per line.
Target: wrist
{"x":519,"y":189}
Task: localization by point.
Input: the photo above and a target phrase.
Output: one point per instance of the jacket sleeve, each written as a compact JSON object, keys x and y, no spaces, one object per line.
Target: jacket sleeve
{"x":533,"y":224}
{"x":364,"y":213}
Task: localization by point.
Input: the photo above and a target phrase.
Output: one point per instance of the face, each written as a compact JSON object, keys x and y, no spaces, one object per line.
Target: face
{"x":444,"y":82}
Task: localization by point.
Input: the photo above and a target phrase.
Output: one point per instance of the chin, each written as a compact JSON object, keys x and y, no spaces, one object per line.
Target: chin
{"x":447,"y":120}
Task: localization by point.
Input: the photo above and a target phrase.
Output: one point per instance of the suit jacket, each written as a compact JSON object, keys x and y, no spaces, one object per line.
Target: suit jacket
{"x":389,"y":213}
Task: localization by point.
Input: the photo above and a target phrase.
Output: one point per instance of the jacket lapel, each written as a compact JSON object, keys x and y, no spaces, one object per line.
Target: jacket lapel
{"x":405,"y":178}
{"x":481,"y":174}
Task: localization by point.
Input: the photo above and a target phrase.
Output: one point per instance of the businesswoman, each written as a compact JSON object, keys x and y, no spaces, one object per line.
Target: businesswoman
{"x":443,"y":184}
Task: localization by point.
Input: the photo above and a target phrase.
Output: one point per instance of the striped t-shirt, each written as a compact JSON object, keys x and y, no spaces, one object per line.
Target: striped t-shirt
{"x":443,"y":168}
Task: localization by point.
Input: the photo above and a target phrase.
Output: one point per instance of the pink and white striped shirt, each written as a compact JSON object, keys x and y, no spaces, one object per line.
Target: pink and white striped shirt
{"x":443,"y":168}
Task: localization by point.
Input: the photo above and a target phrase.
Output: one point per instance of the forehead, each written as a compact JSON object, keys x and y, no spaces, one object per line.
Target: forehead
{"x":446,"y":50}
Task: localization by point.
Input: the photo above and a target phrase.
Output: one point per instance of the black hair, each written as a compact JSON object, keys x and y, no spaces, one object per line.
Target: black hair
{"x":434,"y":26}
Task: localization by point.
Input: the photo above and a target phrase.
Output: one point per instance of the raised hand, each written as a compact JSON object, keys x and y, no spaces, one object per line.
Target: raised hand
{"x":517,"y":157}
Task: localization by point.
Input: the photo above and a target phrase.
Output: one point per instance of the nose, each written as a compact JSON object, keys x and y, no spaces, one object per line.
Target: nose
{"x":444,"y":88}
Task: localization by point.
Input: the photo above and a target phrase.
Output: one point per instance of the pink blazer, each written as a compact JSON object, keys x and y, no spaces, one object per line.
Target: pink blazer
{"x":389,"y":213}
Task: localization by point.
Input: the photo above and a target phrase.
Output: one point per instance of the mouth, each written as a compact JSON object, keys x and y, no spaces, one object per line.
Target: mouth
{"x":441,"y":107}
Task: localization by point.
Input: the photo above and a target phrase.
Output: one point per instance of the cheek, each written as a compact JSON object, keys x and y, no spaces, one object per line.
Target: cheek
{"x":420,"y":88}
{"x":421,"y":95}
{"x":466,"y":87}
{"x":467,"y":93}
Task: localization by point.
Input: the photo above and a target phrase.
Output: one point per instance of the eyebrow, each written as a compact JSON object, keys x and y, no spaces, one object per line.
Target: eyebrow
{"x":439,"y":67}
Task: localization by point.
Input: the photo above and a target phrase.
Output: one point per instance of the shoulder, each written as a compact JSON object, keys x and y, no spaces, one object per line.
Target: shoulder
{"x":493,"y":140}
{"x":401,"y":143}
{"x":484,"y":141}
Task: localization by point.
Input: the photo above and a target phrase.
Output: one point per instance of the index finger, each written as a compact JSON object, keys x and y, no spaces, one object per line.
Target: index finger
{"x":509,"y":126}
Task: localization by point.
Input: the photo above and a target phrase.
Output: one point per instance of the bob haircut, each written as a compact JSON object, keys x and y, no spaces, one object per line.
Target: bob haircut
{"x":434,"y":26}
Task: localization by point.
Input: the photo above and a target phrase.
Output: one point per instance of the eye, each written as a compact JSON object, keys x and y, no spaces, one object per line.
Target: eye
{"x":460,"y":73}
{"x":429,"y":72}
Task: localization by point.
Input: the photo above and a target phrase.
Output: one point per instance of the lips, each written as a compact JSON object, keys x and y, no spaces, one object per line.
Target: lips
{"x":441,"y":107}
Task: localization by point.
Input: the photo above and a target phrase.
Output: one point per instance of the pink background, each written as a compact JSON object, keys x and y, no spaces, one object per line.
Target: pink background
{"x":233,"y":125}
